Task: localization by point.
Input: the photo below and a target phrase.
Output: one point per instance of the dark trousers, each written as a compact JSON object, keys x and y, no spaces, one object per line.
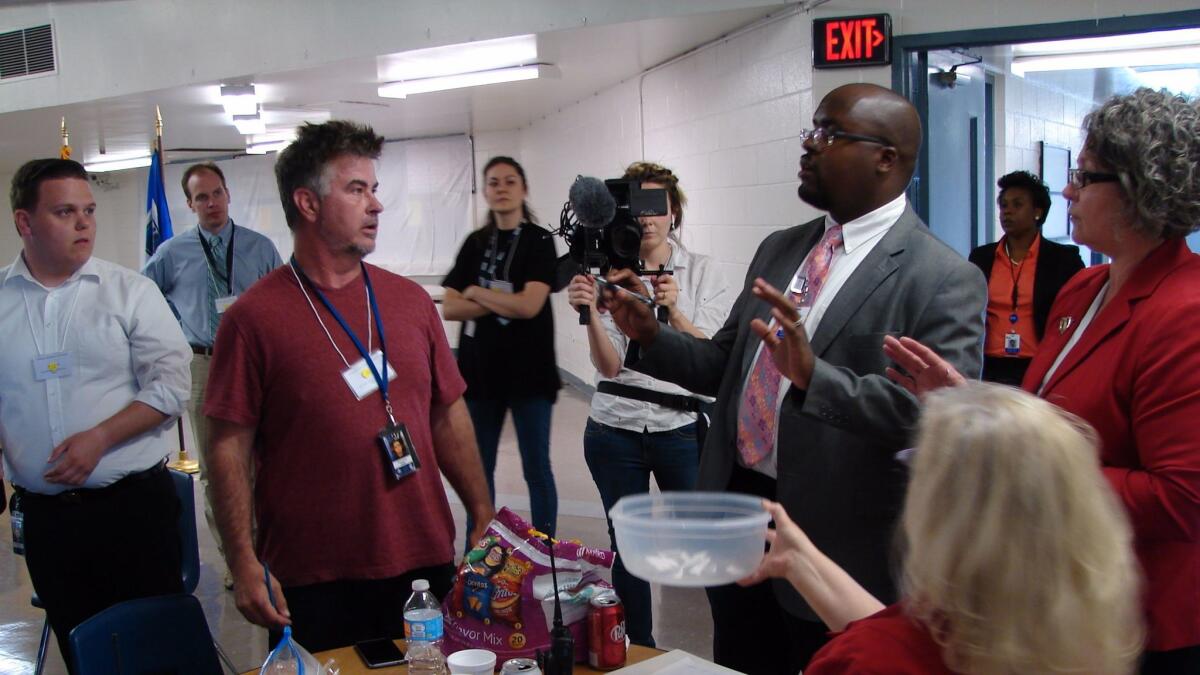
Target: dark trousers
{"x":621,"y":462}
{"x":1173,"y":662}
{"x":752,"y":632}
{"x":531,"y":417}
{"x":339,"y":613}
{"x":92,"y":549}
{"x":1004,"y":370}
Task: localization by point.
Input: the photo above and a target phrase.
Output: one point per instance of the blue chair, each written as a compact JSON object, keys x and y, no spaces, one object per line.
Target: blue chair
{"x":161,"y":634}
{"x":188,"y":543}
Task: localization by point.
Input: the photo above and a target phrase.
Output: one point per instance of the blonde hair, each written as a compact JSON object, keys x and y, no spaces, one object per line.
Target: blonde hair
{"x":1019,"y":558}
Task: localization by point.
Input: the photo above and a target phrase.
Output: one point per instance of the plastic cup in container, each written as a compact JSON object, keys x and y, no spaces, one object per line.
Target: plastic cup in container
{"x":471,"y":662}
{"x":690,"y":538}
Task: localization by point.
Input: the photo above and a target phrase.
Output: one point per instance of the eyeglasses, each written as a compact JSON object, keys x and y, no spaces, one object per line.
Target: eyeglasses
{"x":1080,"y":179}
{"x":823,"y":138}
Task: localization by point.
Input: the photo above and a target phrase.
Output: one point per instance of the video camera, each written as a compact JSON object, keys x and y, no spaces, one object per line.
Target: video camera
{"x":600,"y":224}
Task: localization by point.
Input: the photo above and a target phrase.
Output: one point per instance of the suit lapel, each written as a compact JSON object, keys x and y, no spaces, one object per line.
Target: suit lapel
{"x":1149,"y":273}
{"x":779,"y":274}
{"x":879,"y":264}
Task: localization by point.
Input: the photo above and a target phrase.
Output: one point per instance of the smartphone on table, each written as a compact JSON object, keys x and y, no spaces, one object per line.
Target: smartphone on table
{"x":379,"y":653}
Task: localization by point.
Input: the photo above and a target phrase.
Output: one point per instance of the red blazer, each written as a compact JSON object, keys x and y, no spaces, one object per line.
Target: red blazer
{"x":1134,"y":376}
{"x":888,"y":642}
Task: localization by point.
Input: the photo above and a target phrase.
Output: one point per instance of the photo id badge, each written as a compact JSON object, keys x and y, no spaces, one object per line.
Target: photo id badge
{"x":501,"y":287}
{"x":1012,"y":343}
{"x":224,"y":303}
{"x":53,"y":366}
{"x":399,"y":454}
{"x":18,"y":524}
{"x":361,"y":380}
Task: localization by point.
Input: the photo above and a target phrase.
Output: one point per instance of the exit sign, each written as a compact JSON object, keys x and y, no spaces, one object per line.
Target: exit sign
{"x":852,"y":41}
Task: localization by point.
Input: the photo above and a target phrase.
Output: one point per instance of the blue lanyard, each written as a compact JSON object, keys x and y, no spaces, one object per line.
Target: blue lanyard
{"x":382,"y":381}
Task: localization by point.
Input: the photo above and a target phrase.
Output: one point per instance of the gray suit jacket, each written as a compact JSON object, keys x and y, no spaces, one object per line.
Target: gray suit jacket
{"x":838,"y":476}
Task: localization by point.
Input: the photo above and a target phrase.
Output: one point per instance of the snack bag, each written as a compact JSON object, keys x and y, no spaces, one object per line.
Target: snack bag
{"x":289,"y":657}
{"x":503,"y":594}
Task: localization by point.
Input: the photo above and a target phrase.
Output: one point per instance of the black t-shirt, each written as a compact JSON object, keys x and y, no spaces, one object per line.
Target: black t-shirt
{"x":507,"y":358}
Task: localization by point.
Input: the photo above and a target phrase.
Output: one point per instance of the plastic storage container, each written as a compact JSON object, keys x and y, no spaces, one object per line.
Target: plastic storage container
{"x":690,"y":538}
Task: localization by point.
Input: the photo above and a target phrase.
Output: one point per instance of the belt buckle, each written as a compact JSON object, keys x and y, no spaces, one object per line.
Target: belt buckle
{"x":71,"y":496}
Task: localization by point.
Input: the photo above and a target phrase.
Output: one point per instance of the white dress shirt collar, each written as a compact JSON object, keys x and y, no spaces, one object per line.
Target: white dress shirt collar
{"x":18,"y":269}
{"x":868,"y":226}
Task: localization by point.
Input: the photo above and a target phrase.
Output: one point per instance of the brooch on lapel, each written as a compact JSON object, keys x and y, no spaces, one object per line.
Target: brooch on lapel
{"x":1063,"y":324}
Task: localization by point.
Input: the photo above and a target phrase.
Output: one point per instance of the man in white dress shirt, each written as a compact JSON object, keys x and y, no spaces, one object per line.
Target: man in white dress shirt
{"x":93,"y":372}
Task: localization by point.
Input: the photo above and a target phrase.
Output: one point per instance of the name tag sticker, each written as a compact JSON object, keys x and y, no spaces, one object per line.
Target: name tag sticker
{"x":54,"y":366}
{"x":224,"y":303}
{"x":360,"y":379}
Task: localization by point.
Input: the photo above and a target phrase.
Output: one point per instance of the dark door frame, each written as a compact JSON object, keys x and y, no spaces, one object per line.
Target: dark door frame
{"x":909,"y":74}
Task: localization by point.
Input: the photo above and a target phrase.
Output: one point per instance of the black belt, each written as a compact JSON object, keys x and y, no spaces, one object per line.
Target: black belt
{"x":202,"y":351}
{"x":672,"y":401}
{"x":82,"y":495}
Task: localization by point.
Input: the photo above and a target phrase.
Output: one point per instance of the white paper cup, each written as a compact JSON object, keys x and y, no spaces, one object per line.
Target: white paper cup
{"x":471,"y":662}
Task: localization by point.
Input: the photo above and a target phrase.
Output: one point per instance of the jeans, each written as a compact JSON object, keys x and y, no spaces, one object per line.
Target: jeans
{"x":621,"y":462}
{"x":531,"y":417}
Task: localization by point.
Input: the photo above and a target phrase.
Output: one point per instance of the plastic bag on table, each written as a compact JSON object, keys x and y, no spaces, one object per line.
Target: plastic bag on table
{"x":289,"y":658}
{"x":503,"y":594}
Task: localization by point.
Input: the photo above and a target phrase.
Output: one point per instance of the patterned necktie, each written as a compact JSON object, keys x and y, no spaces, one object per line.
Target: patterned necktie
{"x":216,"y":289}
{"x":758,"y":411}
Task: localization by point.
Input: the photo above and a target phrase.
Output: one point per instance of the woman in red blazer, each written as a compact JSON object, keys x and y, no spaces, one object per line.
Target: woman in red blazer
{"x":1018,"y":558}
{"x":1122,"y":346}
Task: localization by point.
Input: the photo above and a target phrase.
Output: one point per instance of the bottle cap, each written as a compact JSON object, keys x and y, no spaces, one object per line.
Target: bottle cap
{"x":419,"y":585}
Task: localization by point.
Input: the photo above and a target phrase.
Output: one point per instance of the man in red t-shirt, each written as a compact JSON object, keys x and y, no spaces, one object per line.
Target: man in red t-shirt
{"x":344,"y":523}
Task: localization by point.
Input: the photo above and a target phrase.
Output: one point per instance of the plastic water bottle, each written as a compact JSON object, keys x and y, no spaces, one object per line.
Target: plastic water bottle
{"x":423,"y":631}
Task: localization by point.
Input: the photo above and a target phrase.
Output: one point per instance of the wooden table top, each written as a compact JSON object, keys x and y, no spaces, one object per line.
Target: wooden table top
{"x":349,"y":663}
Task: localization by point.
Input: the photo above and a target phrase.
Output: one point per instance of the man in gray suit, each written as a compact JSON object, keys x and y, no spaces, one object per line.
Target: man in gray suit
{"x":804,"y":412}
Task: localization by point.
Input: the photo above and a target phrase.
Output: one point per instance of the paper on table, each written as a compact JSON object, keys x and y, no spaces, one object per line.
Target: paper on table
{"x":677,"y":662}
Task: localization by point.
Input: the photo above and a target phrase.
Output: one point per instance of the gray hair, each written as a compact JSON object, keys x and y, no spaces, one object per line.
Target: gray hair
{"x":1151,"y":139}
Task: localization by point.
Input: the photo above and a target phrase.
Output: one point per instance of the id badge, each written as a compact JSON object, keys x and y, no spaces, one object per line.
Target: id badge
{"x":399,"y":453}
{"x":17,"y":517}
{"x":54,"y":366}
{"x":360,"y":379}
{"x":1012,"y":343}
{"x":224,"y":303}
{"x":501,"y":287}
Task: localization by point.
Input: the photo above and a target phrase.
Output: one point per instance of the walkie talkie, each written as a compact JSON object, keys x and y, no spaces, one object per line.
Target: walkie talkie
{"x":560,"y":659}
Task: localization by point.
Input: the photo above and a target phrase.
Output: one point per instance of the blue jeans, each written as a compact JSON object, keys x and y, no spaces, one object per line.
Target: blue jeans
{"x":621,"y":462}
{"x":531,"y":417}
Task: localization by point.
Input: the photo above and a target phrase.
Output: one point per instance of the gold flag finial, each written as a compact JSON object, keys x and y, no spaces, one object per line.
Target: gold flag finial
{"x":65,"y":151}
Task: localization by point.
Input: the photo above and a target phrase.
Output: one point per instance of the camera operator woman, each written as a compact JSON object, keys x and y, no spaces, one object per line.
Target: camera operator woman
{"x":499,"y":288}
{"x":639,"y":425}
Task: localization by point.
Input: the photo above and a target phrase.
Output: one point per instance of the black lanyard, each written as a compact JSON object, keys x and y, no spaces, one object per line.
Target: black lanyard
{"x":493,"y":252}
{"x":382,"y":381}
{"x":1016,"y":276}
{"x":212,"y":263}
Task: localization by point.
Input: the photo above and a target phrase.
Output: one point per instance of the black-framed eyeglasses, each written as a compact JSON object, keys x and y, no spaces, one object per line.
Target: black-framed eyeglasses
{"x":1080,"y":179}
{"x":823,"y":138}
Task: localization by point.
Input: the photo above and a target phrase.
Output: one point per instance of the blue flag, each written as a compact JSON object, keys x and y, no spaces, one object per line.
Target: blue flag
{"x":158,"y":216}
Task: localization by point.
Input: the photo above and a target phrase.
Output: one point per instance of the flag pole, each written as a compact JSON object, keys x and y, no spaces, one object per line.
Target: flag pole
{"x":185,"y":463}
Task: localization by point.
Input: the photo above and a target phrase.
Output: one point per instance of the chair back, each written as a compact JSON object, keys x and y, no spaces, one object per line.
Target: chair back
{"x":161,"y":634}
{"x":188,"y":540}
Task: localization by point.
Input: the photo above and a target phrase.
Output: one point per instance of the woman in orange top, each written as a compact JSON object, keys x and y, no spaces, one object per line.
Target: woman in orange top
{"x":1024,"y":273}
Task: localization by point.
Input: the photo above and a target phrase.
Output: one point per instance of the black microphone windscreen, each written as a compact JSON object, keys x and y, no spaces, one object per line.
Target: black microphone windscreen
{"x":591,"y":201}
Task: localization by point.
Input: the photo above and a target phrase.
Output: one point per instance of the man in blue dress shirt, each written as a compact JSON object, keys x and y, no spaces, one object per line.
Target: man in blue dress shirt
{"x":201,"y":271}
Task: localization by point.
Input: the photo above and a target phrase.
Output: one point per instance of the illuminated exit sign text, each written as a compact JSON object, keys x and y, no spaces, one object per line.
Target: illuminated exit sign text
{"x":852,"y":41}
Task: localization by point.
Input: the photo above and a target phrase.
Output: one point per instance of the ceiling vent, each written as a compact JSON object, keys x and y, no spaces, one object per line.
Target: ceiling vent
{"x":26,"y":52}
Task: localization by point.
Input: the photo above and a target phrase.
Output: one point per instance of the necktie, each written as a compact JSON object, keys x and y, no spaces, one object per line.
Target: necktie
{"x":216,"y":288}
{"x":758,"y":410}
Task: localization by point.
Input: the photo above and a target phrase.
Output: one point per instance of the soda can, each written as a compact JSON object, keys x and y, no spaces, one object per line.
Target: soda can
{"x":606,"y":632}
{"x":520,"y":667}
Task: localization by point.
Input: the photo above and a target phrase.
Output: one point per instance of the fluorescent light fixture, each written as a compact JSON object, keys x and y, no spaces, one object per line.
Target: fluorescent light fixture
{"x":404,"y":88}
{"x":467,"y":57}
{"x":1114,"y":59}
{"x":102,"y":165}
{"x":249,"y":124}
{"x":1163,"y":38}
{"x":239,"y":99}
